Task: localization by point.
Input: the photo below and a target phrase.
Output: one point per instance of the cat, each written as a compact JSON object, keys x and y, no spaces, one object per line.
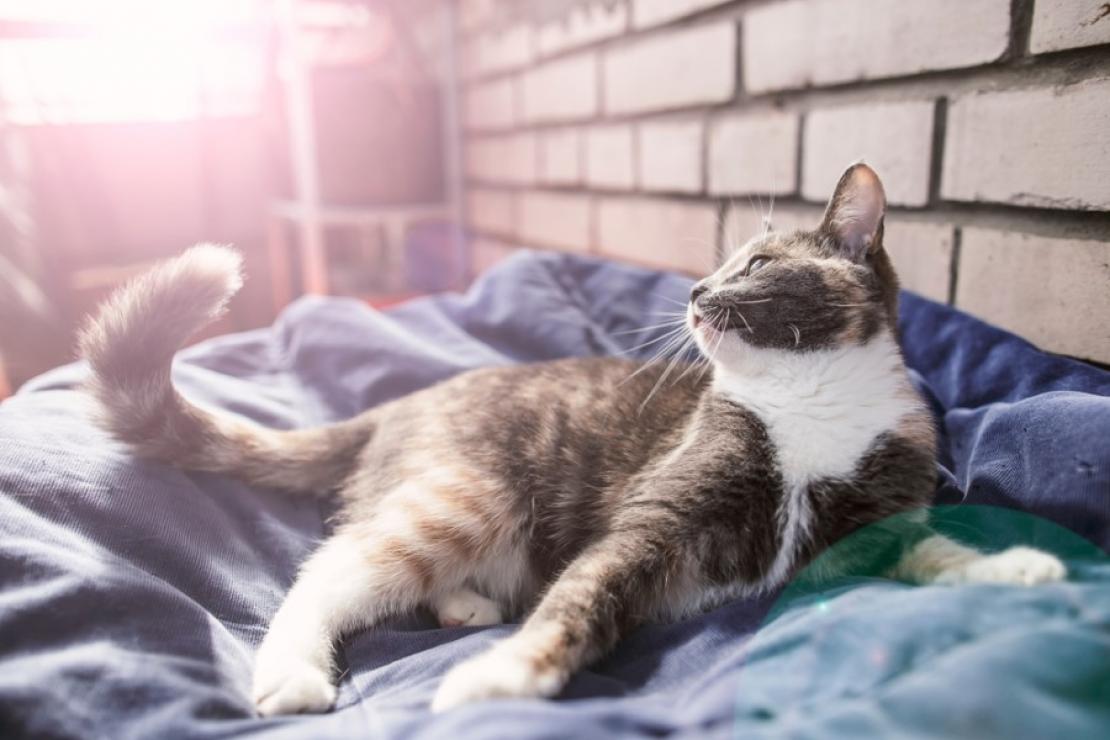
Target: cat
{"x":553,"y":491}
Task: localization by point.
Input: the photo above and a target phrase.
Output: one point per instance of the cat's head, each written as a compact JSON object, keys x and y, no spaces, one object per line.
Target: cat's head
{"x":806,"y":290}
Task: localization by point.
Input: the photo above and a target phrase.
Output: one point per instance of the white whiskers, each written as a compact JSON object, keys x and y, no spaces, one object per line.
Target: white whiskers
{"x":669,"y":300}
{"x":713,"y":353}
{"x":681,"y":340}
{"x":746,"y":324}
{"x":673,"y":335}
{"x":642,"y":329}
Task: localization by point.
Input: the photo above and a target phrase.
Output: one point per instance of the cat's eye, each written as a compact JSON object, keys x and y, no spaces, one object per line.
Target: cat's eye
{"x":757,"y":263}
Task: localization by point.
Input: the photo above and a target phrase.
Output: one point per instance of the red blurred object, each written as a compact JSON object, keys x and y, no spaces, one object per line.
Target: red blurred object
{"x":385,"y":301}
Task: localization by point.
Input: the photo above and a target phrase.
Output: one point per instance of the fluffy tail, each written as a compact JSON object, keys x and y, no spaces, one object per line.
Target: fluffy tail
{"x":130,"y":346}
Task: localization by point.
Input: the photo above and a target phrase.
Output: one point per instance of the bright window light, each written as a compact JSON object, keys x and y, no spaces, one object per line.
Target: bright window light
{"x":132,"y":60}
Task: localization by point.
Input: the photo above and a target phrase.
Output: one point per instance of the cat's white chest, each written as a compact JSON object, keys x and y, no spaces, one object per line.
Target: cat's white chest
{"x":824,"y":410}
{"x":828,"y":440}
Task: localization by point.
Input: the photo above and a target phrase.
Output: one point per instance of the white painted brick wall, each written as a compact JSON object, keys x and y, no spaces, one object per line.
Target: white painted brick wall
{"x":753,"y":153}
{"x":922,"y":255}
{"x":681,"y":68}
{"x":583,"y":24}
{"x":744,"y":220}
{"x":485,"y":253}
{"x":491,"y":105}
{"x":1052,"y":291}
{"x":491,"y":210}
{"x":802,"y":42}
{"x":646,"y":13}
{"x":610,"y":156}
{"x":510,"y":159}
{"x":1067,"y":24}
{"x":670,"y":156}
{"x":499,"y":51}
{"x":894,"y":138}
{"x":561,"y":156}
{"x":578,"y":111}
{"x":1041,"y":147}
{"x":475,"y":13}
{"x":672,"y":234}
{"x":554,"y":220}
{"x":561,"y":90}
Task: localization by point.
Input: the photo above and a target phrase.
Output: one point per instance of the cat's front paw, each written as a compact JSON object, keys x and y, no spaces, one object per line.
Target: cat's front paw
{"x":1023,"y":566}
{"x":291,"y":687}
{"x":499,"y":673}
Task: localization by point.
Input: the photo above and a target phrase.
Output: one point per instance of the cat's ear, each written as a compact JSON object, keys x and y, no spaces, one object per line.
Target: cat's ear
{"x":854,"y":216}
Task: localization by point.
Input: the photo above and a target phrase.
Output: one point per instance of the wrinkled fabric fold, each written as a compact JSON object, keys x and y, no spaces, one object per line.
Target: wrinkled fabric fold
{"x":132,"y":595}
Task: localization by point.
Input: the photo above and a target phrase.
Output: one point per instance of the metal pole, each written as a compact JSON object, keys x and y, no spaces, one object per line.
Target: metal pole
{"x":452,"y":132}
{"x":302,"y":135}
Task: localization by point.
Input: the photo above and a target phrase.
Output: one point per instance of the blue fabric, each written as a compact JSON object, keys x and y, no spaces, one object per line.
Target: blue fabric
{"x":132,"y":596}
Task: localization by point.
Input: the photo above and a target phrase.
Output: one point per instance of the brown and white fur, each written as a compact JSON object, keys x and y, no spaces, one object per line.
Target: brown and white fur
{"x":552,"y":491}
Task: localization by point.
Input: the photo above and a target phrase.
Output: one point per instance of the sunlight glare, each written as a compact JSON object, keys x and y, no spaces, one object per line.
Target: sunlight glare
{"x":132,"y":60}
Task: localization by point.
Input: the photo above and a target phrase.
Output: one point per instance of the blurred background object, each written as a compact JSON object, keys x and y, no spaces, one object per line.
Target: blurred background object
{"x":316,"y":136}
{"x":388,"y":148}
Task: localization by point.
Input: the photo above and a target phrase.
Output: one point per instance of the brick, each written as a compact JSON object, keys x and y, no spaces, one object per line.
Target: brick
{"x":1051,"y":291}
{"x":610,"y":156}
{"x":510,"y":159}
{"x":475,"y":13}
{"x":561,"y":156}
{"x":490,"y":106}
{"x":819,"y":42}
{"x":485,"y":253}
{"x":662,"y":233}
{"x":490,"y":210}
{"x":647,"y":13}
{"x":555,"y":220}
{"x":922,"y":255}
{"x":674,"y":70}
{"x":584,"y":24}
{"x":670,"y":156}
{"x":1047,"y":148}
{"x":754,"y":153}
{"x":894,"y":138}
{"x":1068,"y":24}
{"x":921,"y":251}
{"x":562,"y":90}
{"x":499,"y":51}
{"x":744,"y":220}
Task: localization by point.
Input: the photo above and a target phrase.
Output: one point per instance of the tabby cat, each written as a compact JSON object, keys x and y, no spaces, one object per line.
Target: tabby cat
{"x":553,"y":492}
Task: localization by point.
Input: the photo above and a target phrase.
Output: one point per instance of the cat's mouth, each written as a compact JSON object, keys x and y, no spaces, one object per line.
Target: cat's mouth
{"x":706,"y":323}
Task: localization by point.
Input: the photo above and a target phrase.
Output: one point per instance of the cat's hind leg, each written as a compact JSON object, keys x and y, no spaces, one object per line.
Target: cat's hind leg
{"x":466,"y":608}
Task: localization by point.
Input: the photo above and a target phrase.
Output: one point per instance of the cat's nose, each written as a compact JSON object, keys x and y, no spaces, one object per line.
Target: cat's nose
{"x":697,"y":292}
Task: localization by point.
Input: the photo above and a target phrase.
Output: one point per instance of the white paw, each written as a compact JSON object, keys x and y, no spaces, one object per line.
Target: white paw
{"x":291,"y":687}
{"x":465,"y":608}
{"x":497,"y":674}
{"x":1022,"y":566}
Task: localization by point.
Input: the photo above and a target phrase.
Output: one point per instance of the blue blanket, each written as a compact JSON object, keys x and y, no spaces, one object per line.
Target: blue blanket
{"x":132,"y":596}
